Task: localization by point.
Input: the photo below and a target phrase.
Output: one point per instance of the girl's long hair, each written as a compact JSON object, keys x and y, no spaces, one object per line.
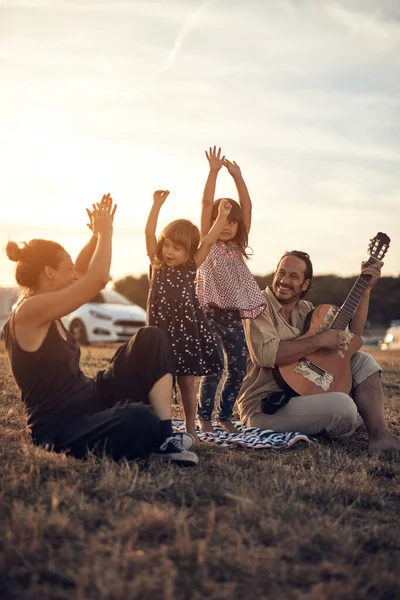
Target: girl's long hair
{"x":242,"y":237}
{"x":181,"y":232}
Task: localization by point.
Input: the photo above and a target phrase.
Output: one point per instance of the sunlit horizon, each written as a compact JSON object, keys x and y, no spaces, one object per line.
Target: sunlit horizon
{"x":125,"y":97}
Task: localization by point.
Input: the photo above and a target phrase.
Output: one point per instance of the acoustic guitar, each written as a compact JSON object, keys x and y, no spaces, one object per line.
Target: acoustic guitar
{"x":329,"y":370}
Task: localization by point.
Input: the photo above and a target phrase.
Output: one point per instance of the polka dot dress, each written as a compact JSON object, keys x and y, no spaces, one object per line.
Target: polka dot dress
{"x":173,"y":306}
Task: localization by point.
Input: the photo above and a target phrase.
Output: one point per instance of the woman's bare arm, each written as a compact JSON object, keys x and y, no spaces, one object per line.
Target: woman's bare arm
{"x":85,"y":255}
{"x":40,"y":309}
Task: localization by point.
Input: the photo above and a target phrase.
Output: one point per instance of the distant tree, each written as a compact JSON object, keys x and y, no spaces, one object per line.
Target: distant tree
{"x":264,"y":280}
{"x":384,"y":304}
{"x":134,"y":288}
{"x":326,"y":289}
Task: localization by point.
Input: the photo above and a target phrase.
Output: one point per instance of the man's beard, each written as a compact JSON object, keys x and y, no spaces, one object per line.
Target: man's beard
{"x":294,"y":298}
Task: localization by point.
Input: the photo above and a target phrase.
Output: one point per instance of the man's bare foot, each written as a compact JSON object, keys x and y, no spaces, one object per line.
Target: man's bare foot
{"x":206,"y":427}
{"x":386,"y":442}
{"x":228,"y":426}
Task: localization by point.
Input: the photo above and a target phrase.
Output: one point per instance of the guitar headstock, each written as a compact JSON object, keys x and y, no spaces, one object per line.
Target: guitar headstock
{"x":379,"y":245}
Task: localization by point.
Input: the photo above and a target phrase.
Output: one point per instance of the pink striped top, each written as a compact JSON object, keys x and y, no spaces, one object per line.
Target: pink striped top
{"x":224,"y":280}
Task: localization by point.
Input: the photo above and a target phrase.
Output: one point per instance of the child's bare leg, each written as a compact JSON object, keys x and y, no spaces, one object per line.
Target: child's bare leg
{"x":188,"y":393}
{"x":228,"y":426}
{"x":206,"y":427}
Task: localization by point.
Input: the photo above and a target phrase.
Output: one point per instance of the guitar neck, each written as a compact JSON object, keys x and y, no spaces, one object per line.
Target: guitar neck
{"x":352,"y":301}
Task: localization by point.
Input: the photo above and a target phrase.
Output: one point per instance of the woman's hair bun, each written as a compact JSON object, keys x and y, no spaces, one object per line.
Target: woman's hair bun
{"x":14,"y":252}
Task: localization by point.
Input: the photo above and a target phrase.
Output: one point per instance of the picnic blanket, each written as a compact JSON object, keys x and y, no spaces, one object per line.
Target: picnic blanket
{"x":248,"y":437}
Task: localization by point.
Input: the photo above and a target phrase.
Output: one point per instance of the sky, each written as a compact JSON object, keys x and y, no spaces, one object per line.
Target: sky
{"x":124,"y":97}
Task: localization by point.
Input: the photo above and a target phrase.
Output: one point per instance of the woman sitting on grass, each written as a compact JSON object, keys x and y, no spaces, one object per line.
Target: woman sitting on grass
{"x":125,"y":411}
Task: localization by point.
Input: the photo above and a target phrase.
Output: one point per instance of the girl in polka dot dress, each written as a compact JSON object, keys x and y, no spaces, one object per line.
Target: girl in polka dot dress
{"x":172,"y":302}
{"x":227,"y":291}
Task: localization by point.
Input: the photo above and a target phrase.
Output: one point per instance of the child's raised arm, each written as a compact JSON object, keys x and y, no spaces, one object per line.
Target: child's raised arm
{"x":215,"y":161}
{"x":243,"y":192}
{"x":159,"y":197}
{"x":224,"y":209}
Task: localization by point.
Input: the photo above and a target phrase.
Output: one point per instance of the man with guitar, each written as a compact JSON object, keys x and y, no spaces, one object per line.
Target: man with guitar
{"x":275,"y":341}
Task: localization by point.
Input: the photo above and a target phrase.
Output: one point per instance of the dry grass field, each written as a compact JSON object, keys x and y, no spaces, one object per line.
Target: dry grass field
{"x":316,"y":522}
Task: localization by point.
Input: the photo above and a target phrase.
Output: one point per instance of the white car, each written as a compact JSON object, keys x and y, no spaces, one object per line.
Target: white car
{"x":108,"y":317}
{"x":392,"y":337}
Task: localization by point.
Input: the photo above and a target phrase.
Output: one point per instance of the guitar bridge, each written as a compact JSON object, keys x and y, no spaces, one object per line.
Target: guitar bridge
{"x":314,"y":373}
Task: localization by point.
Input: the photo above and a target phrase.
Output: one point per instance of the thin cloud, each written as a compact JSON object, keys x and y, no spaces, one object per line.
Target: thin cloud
{"x":188,"y":26}
{"x":371,"y":26}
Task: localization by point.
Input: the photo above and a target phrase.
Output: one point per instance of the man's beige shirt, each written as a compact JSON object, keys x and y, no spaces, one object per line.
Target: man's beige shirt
{"x":263,"y":335}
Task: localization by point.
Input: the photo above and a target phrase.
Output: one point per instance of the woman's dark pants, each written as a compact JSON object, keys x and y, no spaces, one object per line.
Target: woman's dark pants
{"x":124,"y":425}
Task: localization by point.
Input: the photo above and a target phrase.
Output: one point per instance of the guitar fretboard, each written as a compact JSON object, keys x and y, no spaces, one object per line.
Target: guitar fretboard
{"x":352,"y":301}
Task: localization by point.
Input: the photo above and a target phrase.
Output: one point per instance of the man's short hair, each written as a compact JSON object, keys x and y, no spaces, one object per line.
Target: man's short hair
{"x":309,"y":268}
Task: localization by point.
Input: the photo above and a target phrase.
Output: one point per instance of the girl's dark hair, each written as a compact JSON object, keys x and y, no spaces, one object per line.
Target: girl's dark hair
{"x":32,"y":258}
{"x":183,"y":233}
{"x":236,"y":215}
{"x":308,"y":274}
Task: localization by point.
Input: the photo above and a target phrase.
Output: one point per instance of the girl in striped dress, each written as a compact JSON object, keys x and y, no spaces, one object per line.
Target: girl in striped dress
{"x":227,"y":292}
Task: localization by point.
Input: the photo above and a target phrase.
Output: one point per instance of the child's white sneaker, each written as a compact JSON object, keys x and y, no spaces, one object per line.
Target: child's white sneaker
{"x":187,"y":440}
{"x":173,"y":449}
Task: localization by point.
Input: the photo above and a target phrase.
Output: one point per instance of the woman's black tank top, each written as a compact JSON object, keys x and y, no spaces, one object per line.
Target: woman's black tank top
{"x":53,"y":387}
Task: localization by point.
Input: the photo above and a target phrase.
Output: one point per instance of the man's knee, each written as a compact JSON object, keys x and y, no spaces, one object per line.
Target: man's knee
{"x":363,"y":365}
{"x":342,"y":415}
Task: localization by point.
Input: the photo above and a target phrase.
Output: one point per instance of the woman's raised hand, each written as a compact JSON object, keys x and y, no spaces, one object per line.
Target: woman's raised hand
{"x":106,"y":205}
{"x":160,"y":196}
{"x":215,"y":160}
{"x":102,"y":215}
{"x":232,"y":167}
{"x":224,"y":208}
